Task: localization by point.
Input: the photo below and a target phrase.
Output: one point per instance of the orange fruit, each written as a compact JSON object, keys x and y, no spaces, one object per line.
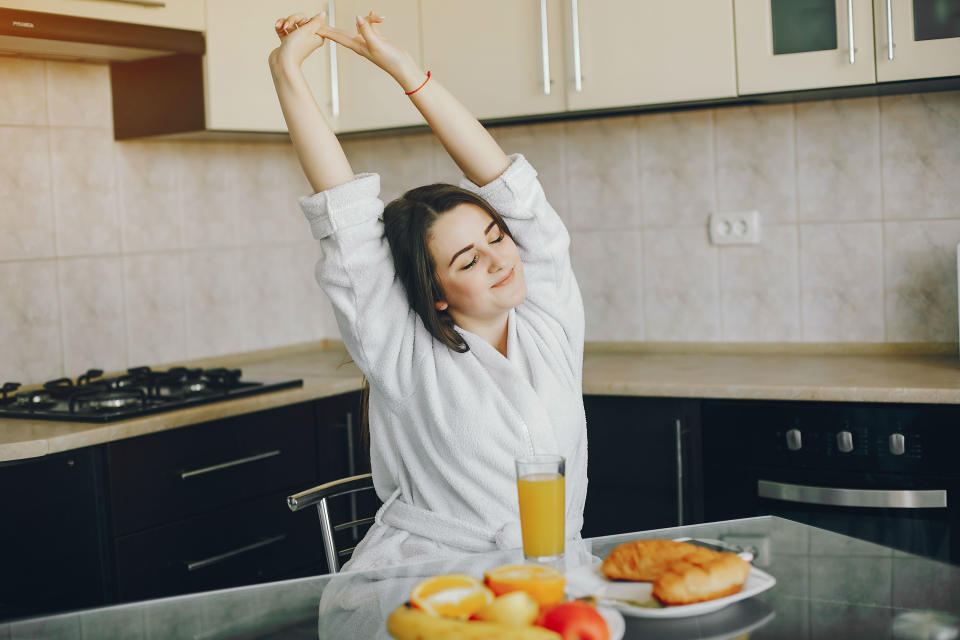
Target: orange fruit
{"x":452,"y":595}
{"x":544,"y":584}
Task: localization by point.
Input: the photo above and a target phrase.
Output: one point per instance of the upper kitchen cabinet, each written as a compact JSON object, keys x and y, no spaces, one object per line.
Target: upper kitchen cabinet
{"x":176,"y":14}
{"x":364,"y":96}
{"x":925,"y":36}
{"x":636,"y":53}
{"x":238,"y":89}
{"x":787,"y":45}
{"x":501,"y":58}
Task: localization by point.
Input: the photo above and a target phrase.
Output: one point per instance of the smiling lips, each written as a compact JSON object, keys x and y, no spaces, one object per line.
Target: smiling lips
{"x":507,"y":278}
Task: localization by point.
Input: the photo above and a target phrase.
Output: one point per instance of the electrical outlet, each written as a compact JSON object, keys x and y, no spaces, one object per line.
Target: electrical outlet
{"x":742,"y":227}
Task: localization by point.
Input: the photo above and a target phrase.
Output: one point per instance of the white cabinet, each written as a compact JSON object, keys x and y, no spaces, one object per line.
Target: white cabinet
{"x":787,"y":45}
{"x":238,"y":89}
{"x":501,"y":58}
{"x":636,"y":53}
{"x":368,"y":97}
{"x":926,"y":38}
{"x":177,"y":14}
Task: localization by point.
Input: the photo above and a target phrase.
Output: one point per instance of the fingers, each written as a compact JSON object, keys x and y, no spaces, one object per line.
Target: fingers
{"x":283,"y":26}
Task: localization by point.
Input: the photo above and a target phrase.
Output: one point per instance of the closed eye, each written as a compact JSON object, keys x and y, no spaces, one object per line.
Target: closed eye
{"x":467,"y":266}
{"x":499,"y":238}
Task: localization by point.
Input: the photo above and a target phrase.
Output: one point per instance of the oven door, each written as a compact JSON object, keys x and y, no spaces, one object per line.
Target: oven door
{"x":905,"y":513}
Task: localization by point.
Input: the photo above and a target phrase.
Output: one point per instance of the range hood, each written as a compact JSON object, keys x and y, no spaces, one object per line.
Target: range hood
{"x":59,"y":37}
{"x":156,"y":73}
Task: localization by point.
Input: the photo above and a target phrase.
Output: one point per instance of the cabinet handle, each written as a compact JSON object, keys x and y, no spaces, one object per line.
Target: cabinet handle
{"x":146,"y":3}
{"x":212,"y":560}
{"x":226,"y":465}
{"x":679,"y":434}
{"x":545,"y":47}
{"x":850,"y":30}
{"x":575,"y":19}
{"x":334,"y":76}
{"x":889,"y":31}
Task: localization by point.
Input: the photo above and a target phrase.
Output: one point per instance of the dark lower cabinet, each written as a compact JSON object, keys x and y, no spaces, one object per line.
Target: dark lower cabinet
{"x":644,"y":464}
{"x":190,"y":509}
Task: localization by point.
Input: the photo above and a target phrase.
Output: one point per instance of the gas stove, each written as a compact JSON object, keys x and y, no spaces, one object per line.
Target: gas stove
{"x":140,"y":391}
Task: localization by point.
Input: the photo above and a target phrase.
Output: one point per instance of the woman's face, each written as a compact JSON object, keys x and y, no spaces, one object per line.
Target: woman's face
{"x":478,"y":266}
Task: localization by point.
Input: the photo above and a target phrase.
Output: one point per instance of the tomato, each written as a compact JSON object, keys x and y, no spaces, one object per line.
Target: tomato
{"x":575,"y":621}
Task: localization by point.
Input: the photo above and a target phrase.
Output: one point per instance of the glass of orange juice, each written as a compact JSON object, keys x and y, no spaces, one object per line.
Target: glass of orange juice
{"x":540,"y":492}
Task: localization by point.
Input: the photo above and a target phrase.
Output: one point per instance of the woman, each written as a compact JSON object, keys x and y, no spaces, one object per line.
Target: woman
{"x":470,"y":332}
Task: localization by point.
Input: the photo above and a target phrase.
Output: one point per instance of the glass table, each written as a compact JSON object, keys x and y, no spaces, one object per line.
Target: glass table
{"x":828,"y":586}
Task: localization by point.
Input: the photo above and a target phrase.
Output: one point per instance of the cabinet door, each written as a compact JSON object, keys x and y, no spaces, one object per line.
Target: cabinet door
{"x":786,"y":45}
{"x":634,"y":53}
{"x":492,"y":55}
{"x":238,"y":88}
{"x":176,"y":14}
{"x":926,"y":39}
{"x":369,"y":98}
{"x":644,"y":464}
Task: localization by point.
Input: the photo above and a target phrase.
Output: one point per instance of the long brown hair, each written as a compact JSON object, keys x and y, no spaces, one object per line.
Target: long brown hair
{"x":407,"y":222}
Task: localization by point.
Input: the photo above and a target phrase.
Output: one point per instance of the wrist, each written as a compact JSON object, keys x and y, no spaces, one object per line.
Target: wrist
{"x":410,"y":79}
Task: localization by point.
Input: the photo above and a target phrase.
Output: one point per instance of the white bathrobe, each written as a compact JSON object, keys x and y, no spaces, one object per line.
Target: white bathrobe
{"x":445,"y":427}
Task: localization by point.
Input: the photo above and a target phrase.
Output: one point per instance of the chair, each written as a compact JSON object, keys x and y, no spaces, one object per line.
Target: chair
{"x":321,"y":495}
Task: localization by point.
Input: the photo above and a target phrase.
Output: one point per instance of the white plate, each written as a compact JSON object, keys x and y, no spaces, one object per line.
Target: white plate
{"x":616,"y":625}
{"x":588,"y":580}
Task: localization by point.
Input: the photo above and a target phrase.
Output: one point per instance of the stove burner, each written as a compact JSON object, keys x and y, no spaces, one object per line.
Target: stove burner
{"x":140,"y":391}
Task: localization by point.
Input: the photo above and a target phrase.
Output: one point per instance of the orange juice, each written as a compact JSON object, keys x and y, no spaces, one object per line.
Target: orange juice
{"x":541,"y":513}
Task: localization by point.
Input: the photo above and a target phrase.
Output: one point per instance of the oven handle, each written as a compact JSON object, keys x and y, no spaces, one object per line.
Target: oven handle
{"x":870,"y":498}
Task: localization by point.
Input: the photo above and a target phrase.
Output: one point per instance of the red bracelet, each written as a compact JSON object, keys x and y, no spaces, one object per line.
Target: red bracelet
{"x":410,"y":93}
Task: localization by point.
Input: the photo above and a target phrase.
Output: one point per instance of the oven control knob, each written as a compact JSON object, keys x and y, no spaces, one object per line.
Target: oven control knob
{"x":897,"y":444}
{"x":845,"y":441}
{"x":794,"y":441}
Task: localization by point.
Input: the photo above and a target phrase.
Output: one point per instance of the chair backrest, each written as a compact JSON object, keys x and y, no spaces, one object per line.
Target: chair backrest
{"x":354,"y":511}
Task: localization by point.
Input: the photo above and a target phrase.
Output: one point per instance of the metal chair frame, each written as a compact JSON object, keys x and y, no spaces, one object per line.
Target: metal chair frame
{"x":319,"y":496}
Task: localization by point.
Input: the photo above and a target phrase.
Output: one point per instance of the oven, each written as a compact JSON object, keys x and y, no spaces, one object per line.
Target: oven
{"x":886,"y":473}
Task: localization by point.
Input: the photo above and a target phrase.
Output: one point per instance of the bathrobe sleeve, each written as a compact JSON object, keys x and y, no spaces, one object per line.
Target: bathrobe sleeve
{"x":356,"y":271}
{"x":543,"y":242}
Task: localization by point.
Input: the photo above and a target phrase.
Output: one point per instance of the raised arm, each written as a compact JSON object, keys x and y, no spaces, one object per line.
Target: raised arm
{"x":317,"y":148}
{"x":470,"y":145}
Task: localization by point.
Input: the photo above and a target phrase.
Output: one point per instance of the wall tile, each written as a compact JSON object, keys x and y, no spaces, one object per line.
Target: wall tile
{"x":602,"y":174}
{"x":681,"y":295}
{"x":91,"y":300}
{"x":78,"y":95}
{"x":755,"y":161}
{"x":544,"y":146}
{"x":267,"y":297}
{"x":27,"y":104}
{"x":403,"y":162}
{"x":26,"y":216}
{"x":216,"y":323}
{"x":84,"y":192}
{"x":155,"y":308}
{"x":608,"y":266}
{"x":267,"y":187}
{"x":30,"y":349}
{"x":311,"y":307}
{"x":677,"y":168}
{"x":841,"y":282}
{"x":760,"y":288}
{"x":206,"y":174}
{"x":838,"y":160}
{"x":920,"y":263}
{"x":150,"y":217}
{"x":920,"y":154}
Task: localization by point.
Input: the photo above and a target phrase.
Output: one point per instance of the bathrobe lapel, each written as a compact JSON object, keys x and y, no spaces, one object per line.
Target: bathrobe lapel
{"x":510,"y":377}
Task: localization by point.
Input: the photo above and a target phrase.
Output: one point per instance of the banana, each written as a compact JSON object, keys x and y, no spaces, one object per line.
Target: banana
{"x":409,"y":623}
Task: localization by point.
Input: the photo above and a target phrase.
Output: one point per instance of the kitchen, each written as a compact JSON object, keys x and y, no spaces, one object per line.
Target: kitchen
{"x":157,"y":252}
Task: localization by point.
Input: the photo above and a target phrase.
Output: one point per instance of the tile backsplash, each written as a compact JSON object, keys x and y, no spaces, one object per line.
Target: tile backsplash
{"x":120,"y":254}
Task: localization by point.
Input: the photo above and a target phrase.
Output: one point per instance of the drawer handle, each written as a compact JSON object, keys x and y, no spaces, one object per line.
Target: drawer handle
{"x":212,"y":560}
{"x":226,"y":465}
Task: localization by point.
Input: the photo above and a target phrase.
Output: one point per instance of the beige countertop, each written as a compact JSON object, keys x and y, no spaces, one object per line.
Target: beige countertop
{"x":866,"y":373}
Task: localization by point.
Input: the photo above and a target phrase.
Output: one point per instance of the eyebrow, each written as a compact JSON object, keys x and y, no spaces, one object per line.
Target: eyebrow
{"x":470,"y":246}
